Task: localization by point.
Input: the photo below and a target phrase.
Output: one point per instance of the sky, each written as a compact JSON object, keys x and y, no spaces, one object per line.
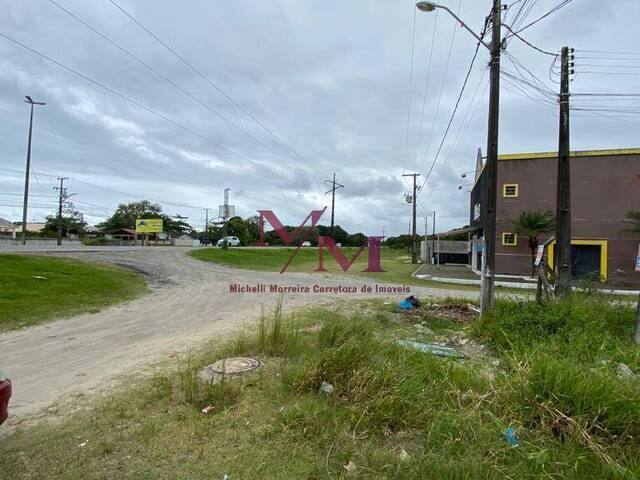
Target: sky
{"x":274,"y":97}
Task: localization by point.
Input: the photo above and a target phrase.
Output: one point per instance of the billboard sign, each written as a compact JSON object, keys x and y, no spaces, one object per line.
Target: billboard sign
{"x":149,"y":225}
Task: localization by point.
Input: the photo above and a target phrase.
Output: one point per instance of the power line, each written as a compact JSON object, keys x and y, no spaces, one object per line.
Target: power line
{"x":210,"y":82}
{"x":120,"y":192}
{"x":427,"y":83}
{"x":171,"y":82}
{"x":455,"y":108}
{"x":444,"y":77}
{"x":413,"y":39}
{"x":526,"y":42}
{"x":550,"y":12}
{"x":139,"y":105}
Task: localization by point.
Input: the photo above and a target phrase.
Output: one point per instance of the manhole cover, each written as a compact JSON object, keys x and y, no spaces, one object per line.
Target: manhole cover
{"x":230,"y":367}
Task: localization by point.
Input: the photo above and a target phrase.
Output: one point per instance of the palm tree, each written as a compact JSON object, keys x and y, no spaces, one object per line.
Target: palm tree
{"x":531,"y":224}
{"x":634,"y":218}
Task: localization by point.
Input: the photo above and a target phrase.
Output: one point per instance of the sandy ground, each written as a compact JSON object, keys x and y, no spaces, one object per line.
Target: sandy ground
{"x":190,"y":304}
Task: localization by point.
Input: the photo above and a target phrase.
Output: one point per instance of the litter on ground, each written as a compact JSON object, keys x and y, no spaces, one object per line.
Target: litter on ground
{"x":431,"y":348}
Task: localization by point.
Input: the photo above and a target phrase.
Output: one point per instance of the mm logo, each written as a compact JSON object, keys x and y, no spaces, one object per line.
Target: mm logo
{"x":372,"y":244}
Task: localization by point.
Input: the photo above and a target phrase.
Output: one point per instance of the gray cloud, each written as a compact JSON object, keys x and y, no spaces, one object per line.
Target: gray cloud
{"x":330,"y":78}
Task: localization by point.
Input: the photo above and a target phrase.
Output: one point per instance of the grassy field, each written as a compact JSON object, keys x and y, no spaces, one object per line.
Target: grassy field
{"x":396,"y":264}
{"x":38,"y":289}
{"x":549,"y":373}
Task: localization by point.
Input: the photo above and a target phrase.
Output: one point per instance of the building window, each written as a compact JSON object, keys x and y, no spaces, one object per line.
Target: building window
{"x":510,"y":190}
{"x":509,"y":239}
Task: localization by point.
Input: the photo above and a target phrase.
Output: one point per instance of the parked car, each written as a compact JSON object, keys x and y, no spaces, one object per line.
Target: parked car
{"x":5,"y":395}
{"x":306,"y":243}
{"x":231,"y":241}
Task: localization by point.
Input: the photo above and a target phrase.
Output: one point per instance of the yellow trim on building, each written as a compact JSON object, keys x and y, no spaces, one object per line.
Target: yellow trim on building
{"x":603,"y":254}
{"x":576,"y":153}
{"x":515,"y":239}
{"x":507,"y":185}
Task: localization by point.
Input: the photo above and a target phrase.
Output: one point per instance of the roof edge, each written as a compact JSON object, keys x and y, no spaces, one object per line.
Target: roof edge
{"x":575,"y":153}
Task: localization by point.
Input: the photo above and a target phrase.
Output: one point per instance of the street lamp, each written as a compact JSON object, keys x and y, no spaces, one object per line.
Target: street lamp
{"x":25,"y":205}
{"x":425,"y":6}
{"x":490,"y":191}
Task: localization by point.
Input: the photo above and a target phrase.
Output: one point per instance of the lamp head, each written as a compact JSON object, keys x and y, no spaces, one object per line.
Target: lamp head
{"x":425,"y":6}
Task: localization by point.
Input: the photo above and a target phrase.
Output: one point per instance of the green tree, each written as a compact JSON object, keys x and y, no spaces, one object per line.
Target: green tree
{"x":126,"y":214}
{"x":236,"y":226}
{"x":356,"y":239}
{"x":531,"y":224}
{"x":253,"y":229}
{"x":401,"y":241}
{"x":72,"y":222}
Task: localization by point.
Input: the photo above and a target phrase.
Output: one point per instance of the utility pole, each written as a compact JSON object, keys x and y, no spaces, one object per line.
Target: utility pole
{"x":25,"y":204}
{"x":225,"y":217}
{"x":433,"y":237}
{"x":563,"y":202}
{"x":61,"y":198}
{"x":334,"y":187}
{"x":490,"y":194}
{"x":426,"y":241}
{"x":414,"y":199}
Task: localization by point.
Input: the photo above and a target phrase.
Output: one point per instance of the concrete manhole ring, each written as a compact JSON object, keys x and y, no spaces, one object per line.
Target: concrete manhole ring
{"x":229,"y":367}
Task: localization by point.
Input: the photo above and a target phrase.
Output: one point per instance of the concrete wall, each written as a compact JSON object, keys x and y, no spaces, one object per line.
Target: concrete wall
{"x":38,"y":242}
{"x":457,"y":247}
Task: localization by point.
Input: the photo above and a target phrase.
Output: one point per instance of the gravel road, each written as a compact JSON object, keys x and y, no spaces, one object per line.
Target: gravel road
{"x":190,"y":304}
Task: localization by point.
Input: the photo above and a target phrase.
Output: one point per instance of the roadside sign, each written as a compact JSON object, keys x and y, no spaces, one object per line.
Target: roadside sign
{"x":539,"y":255}
{"x":149,"y":225}
{"x":638,"y":260}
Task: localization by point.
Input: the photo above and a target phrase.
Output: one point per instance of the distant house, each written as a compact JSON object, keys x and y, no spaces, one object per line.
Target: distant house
{"x":91,"y":231}
{"x":122,"y":234}
{"x":6,"y":228}
{"x":14,"y":229}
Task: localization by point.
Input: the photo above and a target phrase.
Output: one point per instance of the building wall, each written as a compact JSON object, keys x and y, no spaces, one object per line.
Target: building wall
{"x":603,"y":189}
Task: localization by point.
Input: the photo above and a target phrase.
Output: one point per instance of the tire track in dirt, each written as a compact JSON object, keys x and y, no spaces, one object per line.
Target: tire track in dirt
{"x":189,"y":304}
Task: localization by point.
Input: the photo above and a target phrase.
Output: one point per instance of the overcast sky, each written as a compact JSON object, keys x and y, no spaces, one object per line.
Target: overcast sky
{"x":328,"y":81}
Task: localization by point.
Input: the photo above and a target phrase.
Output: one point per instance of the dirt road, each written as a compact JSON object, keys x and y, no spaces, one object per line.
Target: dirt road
{"x":190,"y":303}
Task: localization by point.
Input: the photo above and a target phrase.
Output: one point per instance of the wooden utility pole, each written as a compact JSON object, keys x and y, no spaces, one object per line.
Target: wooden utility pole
{"x":491,"y":191}
{"x":414,"y":201}
{"x":563,"y":202}
{"x":636,"y":325}
{"x":62,"y":195}
{"x":334,"y":187}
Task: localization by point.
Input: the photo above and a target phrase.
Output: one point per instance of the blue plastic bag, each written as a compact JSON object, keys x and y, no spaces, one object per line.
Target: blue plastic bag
{"x":404,"y":305}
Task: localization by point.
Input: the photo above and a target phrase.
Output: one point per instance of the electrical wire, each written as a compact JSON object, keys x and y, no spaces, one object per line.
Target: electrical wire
{"x":413,"y":41}
{"x":174,"y":84}
{"x":140,"y":105}
{"x":550,"y":12}
{"x":219,"y":89}
{"x":455,"y":108}
{"x":426,"y":85}
{"x":444,"y":77}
